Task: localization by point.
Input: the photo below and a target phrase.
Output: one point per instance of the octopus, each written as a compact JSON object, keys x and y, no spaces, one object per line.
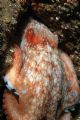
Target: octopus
{"x":42,"y":83}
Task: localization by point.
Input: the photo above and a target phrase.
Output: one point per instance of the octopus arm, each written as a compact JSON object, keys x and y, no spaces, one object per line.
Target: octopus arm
{"x":8,"y":105}
{"x":71,"y":86}
{"x":12,"y":73}
{"x":27,"y":107}
{"x":16,"y":109}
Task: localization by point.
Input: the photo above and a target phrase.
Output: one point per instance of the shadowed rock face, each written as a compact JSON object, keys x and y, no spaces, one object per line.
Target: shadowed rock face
{"x":9,"y":13}
{"x":42,"y":76}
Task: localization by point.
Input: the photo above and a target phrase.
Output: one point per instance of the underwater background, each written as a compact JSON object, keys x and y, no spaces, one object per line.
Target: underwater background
{"x":61,"y":16}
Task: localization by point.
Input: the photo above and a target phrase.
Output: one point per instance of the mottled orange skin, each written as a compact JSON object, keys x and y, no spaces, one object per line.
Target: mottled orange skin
{"x":42,"y":77}
{"x":32,"y":38}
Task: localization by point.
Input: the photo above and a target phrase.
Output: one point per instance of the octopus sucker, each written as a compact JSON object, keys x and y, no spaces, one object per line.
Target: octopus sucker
{"x":41,"y":75}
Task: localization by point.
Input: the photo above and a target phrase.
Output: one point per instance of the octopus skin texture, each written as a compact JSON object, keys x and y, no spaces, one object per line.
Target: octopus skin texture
{"x":42,"y":76}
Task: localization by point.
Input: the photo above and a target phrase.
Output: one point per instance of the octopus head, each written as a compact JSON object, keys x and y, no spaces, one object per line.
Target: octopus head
{"x":37,"y":33}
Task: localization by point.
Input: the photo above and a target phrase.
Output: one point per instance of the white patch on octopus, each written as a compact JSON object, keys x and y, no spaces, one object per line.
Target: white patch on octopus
{"x":9,"y":84}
